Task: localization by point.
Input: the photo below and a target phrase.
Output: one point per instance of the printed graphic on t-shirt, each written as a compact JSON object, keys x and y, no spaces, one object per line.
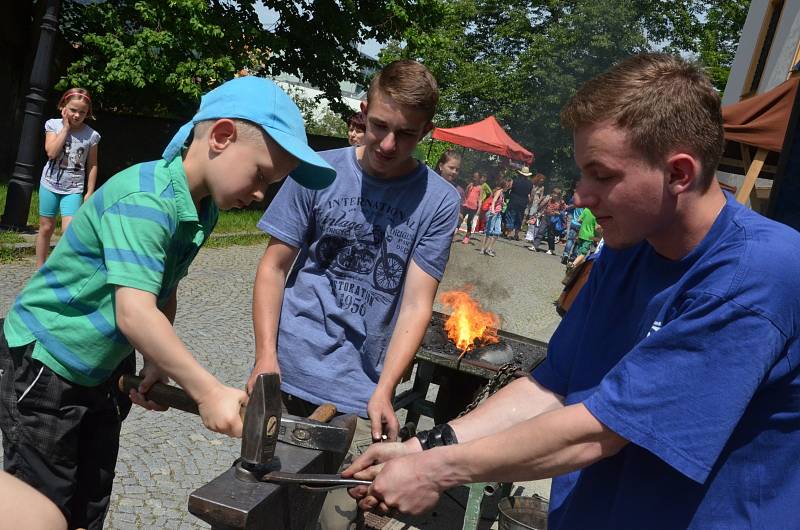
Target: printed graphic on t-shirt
{"x":365,"y":261}
{"x":56,"y":167}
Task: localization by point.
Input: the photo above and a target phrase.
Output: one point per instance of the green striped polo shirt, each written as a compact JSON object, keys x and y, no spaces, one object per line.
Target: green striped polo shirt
{"x":141,"y":230}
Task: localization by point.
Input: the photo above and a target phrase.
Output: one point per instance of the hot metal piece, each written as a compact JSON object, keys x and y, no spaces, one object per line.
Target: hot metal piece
{"x":315,"y":481}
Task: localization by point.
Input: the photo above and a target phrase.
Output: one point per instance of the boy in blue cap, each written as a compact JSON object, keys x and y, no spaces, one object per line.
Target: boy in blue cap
{"x":110,"y":286}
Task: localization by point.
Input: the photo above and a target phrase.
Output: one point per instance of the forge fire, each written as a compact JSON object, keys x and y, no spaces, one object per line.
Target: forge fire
{"x":469,"y":326}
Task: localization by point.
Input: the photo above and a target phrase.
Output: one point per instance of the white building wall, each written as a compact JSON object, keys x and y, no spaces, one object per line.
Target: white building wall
{"x":783,"y":48}
{"x":744,"y":52}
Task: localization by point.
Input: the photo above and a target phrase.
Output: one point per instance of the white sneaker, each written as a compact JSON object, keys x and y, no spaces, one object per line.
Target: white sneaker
{"x":550,"y":253}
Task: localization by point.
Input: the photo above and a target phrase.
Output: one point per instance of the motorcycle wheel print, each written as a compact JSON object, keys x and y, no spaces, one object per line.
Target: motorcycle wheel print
{"x":388,"y":274}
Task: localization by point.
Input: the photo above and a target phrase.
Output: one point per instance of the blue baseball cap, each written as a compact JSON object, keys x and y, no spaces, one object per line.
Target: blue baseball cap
{"x":262,"y":102}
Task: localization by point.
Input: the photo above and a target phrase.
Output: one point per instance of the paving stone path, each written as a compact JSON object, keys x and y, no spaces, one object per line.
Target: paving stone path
{"x":164,"y":456}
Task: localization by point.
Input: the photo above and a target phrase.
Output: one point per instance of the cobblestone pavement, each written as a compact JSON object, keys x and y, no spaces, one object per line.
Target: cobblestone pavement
{"x":164,"y":456}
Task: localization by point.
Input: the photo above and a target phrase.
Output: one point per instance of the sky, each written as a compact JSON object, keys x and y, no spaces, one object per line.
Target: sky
{"x":268,"y":17}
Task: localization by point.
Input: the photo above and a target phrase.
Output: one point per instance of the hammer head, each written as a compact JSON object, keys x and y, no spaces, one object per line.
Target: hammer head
{"x":262,"y":421}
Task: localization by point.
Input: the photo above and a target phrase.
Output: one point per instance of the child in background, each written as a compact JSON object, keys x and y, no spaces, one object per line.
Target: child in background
{"x":448,"y":166}
{"x":493,"y":218}
{"x":356,"y":128}
{"x":486,"y":191}
{"x":470,"y":204}
{"x":71,"y":148}
{"x":110,"y":286}
{"x":573,"y":227}
{"x":588,"y":233}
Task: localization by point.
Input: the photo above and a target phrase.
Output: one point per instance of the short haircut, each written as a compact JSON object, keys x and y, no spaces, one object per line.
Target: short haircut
{"x":663,"y":102}
{"x":446,"y":157}
{"x":357,"y":121}
{"x":246,"y":130}
{"x":408,"y":83}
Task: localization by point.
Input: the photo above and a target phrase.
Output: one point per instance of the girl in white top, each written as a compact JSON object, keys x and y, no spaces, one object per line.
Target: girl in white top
{"x":71,"y":148}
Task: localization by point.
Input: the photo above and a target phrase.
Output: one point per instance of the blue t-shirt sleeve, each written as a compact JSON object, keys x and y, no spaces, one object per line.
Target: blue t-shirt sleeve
{"x":288,"y":216}
{"x":433,"y":250}
{"x":683,"y":389}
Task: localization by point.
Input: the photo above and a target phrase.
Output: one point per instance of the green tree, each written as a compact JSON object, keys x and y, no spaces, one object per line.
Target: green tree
{"x":158,"y":56}
{"x":521,"y":60}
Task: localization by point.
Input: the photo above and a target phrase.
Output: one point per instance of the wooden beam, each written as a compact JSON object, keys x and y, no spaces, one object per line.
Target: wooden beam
{"x":752,"y":174}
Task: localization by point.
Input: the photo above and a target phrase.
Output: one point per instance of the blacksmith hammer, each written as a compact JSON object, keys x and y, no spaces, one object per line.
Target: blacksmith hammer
{"x":264,"y":427}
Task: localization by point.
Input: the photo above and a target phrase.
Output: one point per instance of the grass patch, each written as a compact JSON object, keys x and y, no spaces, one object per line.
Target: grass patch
{"x":8,"y":252}
{"x":237,"y":221}
{"x":239,"y":239}
{"x":33,"y":212}
{"x":232,"y":221}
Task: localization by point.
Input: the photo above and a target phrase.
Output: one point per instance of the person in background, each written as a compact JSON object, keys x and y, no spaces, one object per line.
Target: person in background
{"x":554,"y":207}
{"x":588,"y":234}
{"x":486,"y":191}
{"x":448,"y":167}
{"x":573,"y":223}
{"x":518,"y":198}
{"x":356,"y":128}
{"x":70,"y":174}
{"x":535,"y":207}
{"x":470,"y":204}
{"x":494,"y":217}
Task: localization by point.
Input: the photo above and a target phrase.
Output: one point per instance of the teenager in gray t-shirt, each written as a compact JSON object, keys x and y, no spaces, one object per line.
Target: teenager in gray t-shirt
{"x":357,"y":238}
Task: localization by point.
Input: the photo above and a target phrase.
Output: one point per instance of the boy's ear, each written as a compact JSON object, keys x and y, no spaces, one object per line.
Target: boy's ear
{"x":221,"y":134}
{"x":684,"y":170}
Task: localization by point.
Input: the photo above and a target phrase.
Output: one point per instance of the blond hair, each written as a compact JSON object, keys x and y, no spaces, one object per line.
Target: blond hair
{"x":663,"y":102}
{"x":409,"y":83}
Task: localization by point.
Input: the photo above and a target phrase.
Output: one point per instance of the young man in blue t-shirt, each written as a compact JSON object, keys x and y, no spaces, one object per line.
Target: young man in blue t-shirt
{"x":670,"y":397}
{"x":361,"y":261}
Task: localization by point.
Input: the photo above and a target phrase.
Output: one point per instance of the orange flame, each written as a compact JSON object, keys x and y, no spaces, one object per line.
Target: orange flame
{"x":468,"y":325}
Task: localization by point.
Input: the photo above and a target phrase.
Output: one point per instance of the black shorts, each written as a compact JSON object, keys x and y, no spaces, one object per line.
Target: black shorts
{"x":59,"y":437}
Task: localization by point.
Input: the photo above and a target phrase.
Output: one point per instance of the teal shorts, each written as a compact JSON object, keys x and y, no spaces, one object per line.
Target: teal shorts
{"x":50,"y":203}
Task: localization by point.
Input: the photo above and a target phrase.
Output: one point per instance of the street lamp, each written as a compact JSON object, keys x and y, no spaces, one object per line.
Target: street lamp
{"x":23,"y":180}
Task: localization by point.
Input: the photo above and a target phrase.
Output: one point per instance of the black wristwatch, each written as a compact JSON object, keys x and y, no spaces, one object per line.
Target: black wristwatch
{"x":440,"y":435}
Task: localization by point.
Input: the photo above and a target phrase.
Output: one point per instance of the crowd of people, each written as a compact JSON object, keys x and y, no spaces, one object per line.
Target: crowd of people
{"x":517,"y":200}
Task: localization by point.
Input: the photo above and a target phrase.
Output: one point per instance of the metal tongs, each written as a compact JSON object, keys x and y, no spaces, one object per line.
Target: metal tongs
{"x":313,"y":481}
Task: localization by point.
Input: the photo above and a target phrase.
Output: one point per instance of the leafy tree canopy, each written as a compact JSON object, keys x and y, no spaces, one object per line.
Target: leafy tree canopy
{"x":521,"y":60}
{"x":158,"y":56}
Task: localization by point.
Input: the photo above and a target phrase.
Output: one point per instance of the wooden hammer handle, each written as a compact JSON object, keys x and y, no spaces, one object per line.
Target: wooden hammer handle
{"x":324,"y":413}
{"x":167,"y":395}
{"x":176,"y":397}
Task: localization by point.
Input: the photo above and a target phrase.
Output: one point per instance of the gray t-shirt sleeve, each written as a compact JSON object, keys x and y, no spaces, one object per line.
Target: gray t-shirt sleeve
{"x":433,"y":249}
{"x":288,"y":216}
{"x":52,"y":126}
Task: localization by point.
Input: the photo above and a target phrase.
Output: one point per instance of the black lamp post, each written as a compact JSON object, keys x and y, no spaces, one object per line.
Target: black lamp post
{"x":23,"y":180}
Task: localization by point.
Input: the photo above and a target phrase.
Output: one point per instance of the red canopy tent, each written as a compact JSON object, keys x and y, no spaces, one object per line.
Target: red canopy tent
{"x":486,"y":135}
